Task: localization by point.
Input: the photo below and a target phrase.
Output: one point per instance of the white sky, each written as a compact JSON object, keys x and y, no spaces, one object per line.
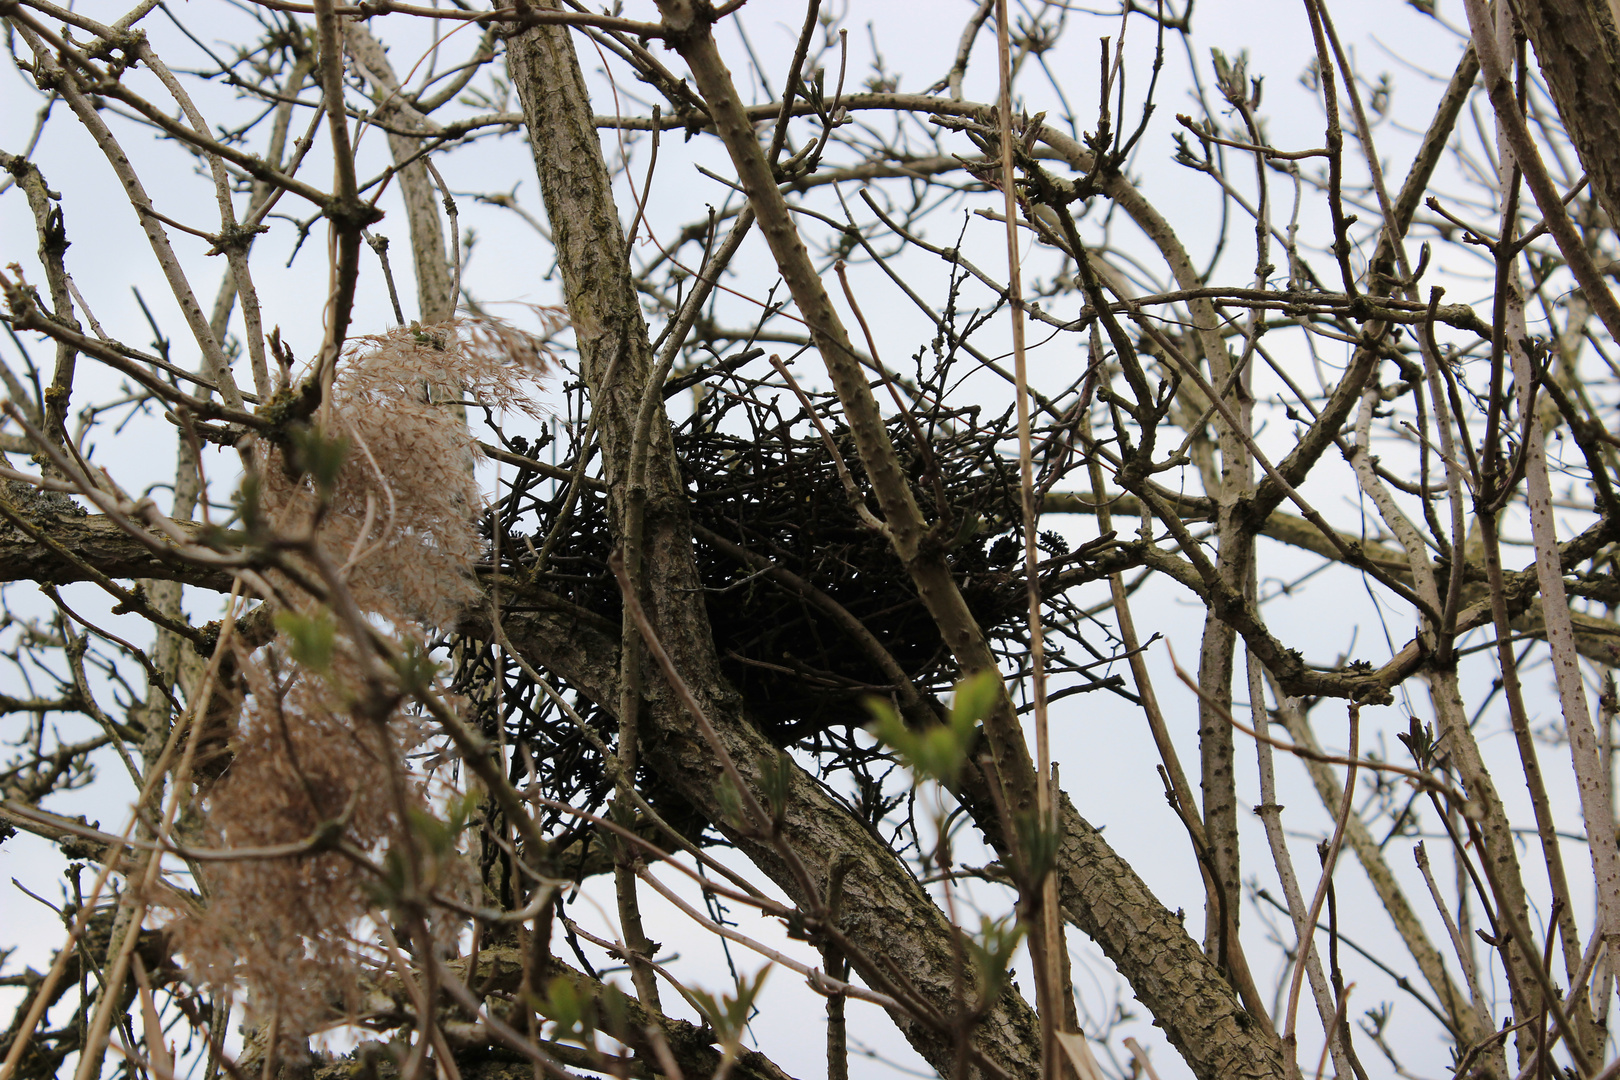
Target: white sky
{"x":1105,"y":753}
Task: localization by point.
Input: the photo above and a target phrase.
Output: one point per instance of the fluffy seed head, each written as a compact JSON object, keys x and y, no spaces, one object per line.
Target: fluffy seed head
{"x":401,"y":516}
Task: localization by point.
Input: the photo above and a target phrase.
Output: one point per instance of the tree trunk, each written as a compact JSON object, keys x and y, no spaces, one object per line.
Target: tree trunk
{"x":901,"y":937}
{"x":1578,"y":47}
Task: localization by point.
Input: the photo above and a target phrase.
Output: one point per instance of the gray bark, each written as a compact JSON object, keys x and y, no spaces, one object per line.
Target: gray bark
{"x":1577,"y":46}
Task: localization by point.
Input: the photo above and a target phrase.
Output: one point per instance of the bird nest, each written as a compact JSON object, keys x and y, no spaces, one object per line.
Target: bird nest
{"x":766,"y":496}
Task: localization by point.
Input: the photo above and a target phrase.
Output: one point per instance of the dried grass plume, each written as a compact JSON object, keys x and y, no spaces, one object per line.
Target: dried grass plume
{"x":401,"y":517}
{"x":320,"y":747}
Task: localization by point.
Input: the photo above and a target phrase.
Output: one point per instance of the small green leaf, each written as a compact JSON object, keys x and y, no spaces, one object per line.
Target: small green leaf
{"x":1419,"y":741}
{"x":438,"y":836}
{"x":573,"y":1013}
{"x":731,"y":811}
{"x":388,"y":888}
{"x":312,"y":639}
{"x":1231,"y":76}
{"x":939,"y":752}
{"x":730,"y":1014}
{"x":991,"y":951}
{"x":247,"y":503}
{"x":463,"y":808}
{"x":776,"y":775}
{"x":1037,"y":845}
{"x":975,"y":699}
{"x":613,"y":1008}
{"x":416,"y":669}
{"x":890,"y":729}
{"x":318,"y":456}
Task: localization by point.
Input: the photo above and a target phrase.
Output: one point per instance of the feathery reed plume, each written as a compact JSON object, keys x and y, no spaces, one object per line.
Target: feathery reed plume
{"x":319,"y":767}
{"x":400,"y":514}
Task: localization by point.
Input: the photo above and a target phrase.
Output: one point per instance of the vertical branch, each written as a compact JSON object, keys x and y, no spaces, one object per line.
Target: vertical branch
{"x":347,"y":213}
{"x":1235,"y":539}
{"x":1596,"y":811}
{"x":43,"y":995}
{"x":1270,"y":811}
{"x":837,"y":966}
{"x":261,"y":196}
{"x":133,"y":906}
{"x":435,"y":289}
{"x":1577,"y":47}
{"x":1335,"y":148}
{"x":1099,"y":890}
{"x":1521,"y":144}
{"x":1516,"y":936}
{"x":1130,"y":641}
{"x":791,"y":87}
{"x":1329,"y":861}
{"x":1371,"y":856}
{"x":1465,"y":955}
{"x":52,"y":229}
{"x":616,"y":360}
{"x":909,"y":532}
{"x":1048,"y":976}
{"x":234,"y":240}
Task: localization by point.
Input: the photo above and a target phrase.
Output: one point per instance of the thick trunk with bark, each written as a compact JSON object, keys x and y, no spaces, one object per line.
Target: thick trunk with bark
{"x":1577,"y":45}
{"x":903,"y":940}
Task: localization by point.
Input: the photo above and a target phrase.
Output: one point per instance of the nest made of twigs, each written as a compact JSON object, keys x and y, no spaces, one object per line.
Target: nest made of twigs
{"x":761,"y":478}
